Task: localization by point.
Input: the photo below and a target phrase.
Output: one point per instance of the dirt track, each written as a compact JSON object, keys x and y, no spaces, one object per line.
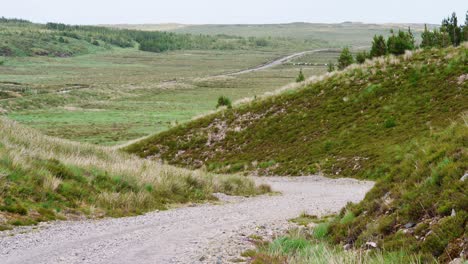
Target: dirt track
{"x":276,"y":62}
{"x":208,"y":233}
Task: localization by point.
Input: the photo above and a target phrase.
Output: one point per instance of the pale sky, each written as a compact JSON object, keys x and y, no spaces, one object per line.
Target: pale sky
{"x":232,"y":11}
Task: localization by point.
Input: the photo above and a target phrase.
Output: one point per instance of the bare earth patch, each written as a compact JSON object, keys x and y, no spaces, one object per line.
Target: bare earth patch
{"x":208,"y":233}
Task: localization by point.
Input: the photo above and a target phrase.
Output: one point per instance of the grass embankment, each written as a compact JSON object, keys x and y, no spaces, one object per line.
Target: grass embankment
{"x":44,"y":178}
{"x":417,"y":213}
{"x":400,"y":121}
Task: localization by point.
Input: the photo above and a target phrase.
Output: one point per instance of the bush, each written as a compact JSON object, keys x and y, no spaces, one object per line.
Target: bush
{"x":361,"y":57}
{"x":345,"y":59}
{"x":300,"y":77}
{"x":224,"y":101}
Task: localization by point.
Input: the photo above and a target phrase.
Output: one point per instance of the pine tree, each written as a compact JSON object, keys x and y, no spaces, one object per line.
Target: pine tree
{"x":300,"y":77}
{"x":397,"y":44}
{"x":450,"y":26}
{"x":379,"y":47}
{"x":345,"y":59}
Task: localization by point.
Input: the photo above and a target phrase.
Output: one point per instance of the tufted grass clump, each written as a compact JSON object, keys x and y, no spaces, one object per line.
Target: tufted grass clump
{"x":44,"y":178}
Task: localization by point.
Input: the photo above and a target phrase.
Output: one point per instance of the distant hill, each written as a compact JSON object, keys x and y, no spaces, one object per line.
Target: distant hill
{"x":399,"y":120}
{"x":339,"y":34}
{"x":20,"y":38}
{"x":148,"y":27}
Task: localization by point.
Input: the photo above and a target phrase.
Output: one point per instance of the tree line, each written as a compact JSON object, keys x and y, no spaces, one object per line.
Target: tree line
{"x":157,"y":41}
{"x":449,"y":33}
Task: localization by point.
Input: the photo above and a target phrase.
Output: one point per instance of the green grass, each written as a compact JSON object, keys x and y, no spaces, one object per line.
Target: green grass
{"x":345,"y":125}
{"x":152,"y":91}
{"x":399,"y":121}
{"x":44,"y":178}
{"x":299,"y":248}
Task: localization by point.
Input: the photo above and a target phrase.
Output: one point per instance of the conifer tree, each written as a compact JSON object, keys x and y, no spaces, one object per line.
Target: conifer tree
{"x":379,"y":47}
{"x":345,"y":59}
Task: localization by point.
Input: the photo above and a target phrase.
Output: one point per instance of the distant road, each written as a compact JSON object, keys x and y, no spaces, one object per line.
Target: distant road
{"x":277,"y":62}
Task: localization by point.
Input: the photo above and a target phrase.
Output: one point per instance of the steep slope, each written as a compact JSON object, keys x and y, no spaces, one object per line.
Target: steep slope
{"x":44,"y":178}
{"x":399,"y":120}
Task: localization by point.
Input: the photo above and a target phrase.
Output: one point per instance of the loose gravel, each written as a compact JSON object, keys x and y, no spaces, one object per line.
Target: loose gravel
{"x":206,"y":233}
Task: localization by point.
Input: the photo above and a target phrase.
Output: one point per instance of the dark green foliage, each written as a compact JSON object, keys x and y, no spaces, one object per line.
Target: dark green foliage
{"x":57,"y":39}
{"x":436,"y":39}
{"x":397,"y":44}
{"x":389,"y":123}
{"x":330,"y":66}
{"x":345,"y":59}
{"x":450,"y":26}
{"x":300,"y":77}
{"x":362,"y":56}
{"x":379,"y":47}
{"x":224,"y":101}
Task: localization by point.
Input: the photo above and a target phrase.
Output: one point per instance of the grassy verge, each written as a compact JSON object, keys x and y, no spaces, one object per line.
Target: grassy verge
{"x":301,"y":246}
{"x":44,"y":178}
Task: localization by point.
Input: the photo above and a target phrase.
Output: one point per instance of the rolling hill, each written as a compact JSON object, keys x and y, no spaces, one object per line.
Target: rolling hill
{"x":401,"y":121}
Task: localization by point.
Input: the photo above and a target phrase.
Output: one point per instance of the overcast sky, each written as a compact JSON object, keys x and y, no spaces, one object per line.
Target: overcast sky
{"x":231,"y":11}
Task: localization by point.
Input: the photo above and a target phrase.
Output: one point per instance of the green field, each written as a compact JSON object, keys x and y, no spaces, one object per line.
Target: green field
{"x":118,"y":95}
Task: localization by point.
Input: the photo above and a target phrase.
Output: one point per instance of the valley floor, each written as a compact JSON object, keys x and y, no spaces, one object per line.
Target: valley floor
{"x":208,"y":233}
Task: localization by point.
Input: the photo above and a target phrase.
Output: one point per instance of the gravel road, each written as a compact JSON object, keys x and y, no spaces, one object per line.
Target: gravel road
{"x":276,"y":62}
{"x":207,"y":233}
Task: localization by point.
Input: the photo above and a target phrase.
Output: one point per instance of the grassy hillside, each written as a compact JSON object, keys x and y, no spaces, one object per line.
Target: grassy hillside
{"x":398,"y":120}
{"x":44,"y":178}
{"x":341,"y":126}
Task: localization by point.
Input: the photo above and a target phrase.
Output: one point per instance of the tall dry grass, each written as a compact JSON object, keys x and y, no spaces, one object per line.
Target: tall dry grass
{"x":154,"y":184}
